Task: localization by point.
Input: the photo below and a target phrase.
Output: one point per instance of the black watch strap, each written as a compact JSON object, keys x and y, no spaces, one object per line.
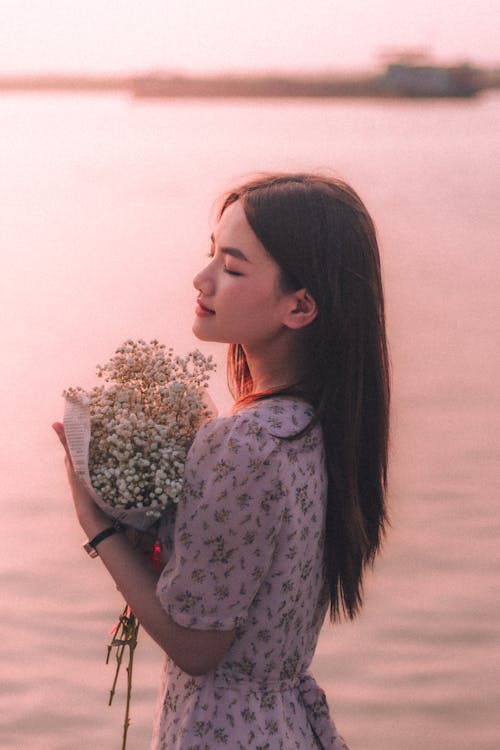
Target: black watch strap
{"x":91,"y":546}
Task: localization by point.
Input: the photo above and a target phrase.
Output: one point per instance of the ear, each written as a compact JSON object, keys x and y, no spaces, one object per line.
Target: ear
{"x":303,"y":310}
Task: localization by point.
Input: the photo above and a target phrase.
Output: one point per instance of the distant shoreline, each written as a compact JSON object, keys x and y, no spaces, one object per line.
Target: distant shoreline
{"x":405,"y":81}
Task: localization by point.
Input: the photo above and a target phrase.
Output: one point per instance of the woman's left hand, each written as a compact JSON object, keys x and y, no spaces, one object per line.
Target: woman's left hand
{"x":91,"y":518}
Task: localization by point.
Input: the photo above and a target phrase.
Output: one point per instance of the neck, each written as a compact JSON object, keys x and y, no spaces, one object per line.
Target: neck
{"x":276,"y":369}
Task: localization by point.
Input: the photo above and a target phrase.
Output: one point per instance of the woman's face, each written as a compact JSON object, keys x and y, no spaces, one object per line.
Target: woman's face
{"x":240,"y":300}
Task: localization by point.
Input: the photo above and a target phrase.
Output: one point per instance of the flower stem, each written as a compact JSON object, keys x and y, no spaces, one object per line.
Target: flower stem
{"x":124,"y":636}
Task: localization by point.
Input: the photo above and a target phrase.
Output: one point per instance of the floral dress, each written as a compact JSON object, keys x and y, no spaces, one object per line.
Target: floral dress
{"x":247,"y":555}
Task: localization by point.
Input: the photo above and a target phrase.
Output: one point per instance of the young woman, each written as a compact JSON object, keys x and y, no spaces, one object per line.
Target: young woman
{"x":284,"y":500}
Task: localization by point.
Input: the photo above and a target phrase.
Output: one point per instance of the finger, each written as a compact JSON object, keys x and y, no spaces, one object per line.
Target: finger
{"x":58,"y":428}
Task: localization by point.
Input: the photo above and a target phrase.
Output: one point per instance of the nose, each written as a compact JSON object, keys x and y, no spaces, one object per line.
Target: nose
{"x":203,"y":282}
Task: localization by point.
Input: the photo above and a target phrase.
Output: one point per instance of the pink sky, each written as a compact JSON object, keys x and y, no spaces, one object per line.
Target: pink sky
{"x":206,"y":35}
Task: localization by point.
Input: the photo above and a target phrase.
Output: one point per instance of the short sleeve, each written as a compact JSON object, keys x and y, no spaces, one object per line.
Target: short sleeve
{"x":228,"y":520}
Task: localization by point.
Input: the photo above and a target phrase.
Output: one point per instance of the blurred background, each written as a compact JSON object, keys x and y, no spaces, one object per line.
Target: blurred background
{"x":121,"y":125}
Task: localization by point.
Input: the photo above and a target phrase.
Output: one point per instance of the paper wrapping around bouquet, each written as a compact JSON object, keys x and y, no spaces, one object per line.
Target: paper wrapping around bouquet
{"x":77,"y":430}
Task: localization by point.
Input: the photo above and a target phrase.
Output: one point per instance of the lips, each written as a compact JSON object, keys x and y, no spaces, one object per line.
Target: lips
{"x":203,"y":310}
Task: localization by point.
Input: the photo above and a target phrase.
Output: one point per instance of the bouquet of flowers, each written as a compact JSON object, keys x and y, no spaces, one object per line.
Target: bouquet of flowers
{"x":129,"y":439}
{"x":128,"y":442}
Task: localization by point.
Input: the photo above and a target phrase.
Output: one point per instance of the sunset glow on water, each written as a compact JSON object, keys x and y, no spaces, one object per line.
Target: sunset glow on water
{"x":106,"y":208}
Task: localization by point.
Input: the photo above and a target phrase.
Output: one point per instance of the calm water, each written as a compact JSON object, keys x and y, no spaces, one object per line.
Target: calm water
{"x":105,"y":208}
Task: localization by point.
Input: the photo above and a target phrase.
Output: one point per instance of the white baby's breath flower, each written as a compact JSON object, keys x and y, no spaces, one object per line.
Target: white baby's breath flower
{"x":143,"y":422}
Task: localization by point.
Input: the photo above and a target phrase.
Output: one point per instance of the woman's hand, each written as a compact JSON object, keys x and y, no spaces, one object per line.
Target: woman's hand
{"x":89,"y":514}
{"x":91,"y":518}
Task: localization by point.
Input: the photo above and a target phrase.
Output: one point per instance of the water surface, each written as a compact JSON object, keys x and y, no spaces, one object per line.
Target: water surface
{"x":105,"y":208}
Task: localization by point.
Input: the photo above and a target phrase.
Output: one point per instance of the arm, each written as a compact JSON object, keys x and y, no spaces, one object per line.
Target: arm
{"x":194,"y":651}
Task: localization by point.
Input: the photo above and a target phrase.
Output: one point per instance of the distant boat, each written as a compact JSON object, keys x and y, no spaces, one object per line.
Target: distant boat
{"x":425,"y":80}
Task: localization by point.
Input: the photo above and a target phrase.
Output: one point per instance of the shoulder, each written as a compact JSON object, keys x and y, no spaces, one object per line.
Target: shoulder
{"x":255,"y":429}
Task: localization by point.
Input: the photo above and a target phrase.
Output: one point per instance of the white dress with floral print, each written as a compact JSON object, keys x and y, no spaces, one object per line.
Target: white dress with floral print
{"x":247,"y":555}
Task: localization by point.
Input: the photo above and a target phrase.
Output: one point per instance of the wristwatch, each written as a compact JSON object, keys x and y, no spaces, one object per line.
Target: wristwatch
{"x":91,"y":546}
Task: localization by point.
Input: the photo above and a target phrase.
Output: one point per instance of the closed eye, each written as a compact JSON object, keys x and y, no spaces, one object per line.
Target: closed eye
{"x":211,"y":255}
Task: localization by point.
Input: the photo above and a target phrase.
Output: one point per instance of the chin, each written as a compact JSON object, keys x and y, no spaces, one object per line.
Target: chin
{"x":198,"y":334}
{"x":201,"y":335}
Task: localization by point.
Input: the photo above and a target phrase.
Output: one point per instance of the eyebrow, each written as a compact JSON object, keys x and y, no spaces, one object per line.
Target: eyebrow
{"x":233,"y":251}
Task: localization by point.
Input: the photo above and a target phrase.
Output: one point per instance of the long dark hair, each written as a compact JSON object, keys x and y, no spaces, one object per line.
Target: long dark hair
{"x":319,"y":232}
